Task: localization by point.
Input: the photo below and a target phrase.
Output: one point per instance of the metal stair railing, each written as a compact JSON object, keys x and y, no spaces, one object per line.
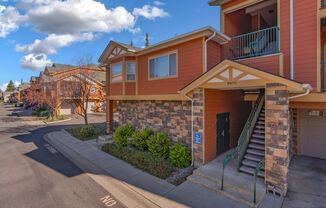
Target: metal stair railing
{"x":258,"y":168}
{"x":245,"y":135}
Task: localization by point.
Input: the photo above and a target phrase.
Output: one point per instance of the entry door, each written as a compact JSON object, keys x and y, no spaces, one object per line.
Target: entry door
{"x":222,"y":132}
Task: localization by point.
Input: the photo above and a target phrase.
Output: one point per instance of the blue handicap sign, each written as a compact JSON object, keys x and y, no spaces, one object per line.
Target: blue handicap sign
{"x":197,"y":138}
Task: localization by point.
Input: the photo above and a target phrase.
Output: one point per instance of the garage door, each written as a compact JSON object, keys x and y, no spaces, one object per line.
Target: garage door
{"x":91,"y":107}
{"x":65,"y":111}
{"x":313,"y":133}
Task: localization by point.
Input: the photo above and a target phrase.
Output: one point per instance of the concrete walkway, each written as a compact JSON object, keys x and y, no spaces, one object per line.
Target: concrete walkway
{"x":123,"y":179}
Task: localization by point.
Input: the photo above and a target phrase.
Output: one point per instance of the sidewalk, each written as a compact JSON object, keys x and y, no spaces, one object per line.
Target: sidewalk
{"x":134,"y":186}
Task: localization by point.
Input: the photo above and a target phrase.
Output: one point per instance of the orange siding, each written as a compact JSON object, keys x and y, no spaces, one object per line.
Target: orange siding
{"x":237,"y":23}
{"x":265,"y":63}
{"x":190,"y":66}
{"x":219,"y":102}
{"x":305,"y":42}
{"x":116,"y":89}
{"x":213,"y":54}
{"x":285,"y":35}
{"x":130,"y":88}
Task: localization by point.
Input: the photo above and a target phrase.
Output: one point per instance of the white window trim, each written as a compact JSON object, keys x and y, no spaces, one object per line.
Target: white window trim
{"x":134,"y":62}
{"x":159,"y":55}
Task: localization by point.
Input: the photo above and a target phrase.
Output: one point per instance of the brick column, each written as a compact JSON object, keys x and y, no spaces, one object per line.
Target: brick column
{"x":109,"y":116}
{"x":198,"y":99}
{"x":277,"y":138}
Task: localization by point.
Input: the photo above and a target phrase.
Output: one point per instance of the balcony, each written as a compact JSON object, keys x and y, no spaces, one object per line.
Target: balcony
{"x":323,"y":3}
{"x":254,"y":44}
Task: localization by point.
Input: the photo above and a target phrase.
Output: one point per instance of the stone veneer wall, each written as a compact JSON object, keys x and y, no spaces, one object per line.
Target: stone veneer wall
{"x":171,"y":117}
{"x":293,"y":132}
{"x":198,"y":99}
{"x":277,"y":138}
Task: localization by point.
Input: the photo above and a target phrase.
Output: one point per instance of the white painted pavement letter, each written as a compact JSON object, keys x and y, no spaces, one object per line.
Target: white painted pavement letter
{"x":108,"y":201}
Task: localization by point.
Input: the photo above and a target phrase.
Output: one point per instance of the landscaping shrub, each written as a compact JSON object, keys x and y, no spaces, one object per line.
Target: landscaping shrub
{"x":145,"y":161}
{"x":140,"y":138}
{"x":158,"y":144}
{"x":87,"y":131}
{"x":122,"y":134}
{"x":180,"y":156}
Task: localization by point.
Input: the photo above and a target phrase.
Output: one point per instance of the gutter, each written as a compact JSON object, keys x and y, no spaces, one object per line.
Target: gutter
{"x":205,"y":50}
{"x":307,"y":88}
{"x":192,"y":129}
{"x":291,"y":41}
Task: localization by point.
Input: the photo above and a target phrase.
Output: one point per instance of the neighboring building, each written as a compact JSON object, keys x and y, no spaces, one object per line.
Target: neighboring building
{"x":200,"y":87}
{"x":58,"y":87}
{"x":23,"y":93}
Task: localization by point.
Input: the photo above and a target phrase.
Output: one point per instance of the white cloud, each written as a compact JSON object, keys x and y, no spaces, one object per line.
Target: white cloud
{"x":52,"y":43}
{"x":35,"y":62}
{"x":10,"y":20}
{"x":158,"y":3}
{"x":150,"y":12}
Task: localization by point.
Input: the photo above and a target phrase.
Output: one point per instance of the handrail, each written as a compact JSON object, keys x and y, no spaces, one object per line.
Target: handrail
{"x":259,"y":166}
{"x":244,"y":136}
{"x":250,"y":125}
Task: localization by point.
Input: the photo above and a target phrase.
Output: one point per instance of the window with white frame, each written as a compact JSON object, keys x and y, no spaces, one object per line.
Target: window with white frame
{"x":116,"y":72}
{"x":163,"y":66}
{"x":93,"y":89}
{"x":131,"y":71}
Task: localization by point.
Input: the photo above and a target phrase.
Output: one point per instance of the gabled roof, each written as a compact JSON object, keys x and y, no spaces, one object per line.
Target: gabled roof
{"x":206,"y":31}
{"x":217,"y":2}
{"x":230,"y":75}
{"x":56,"y":67}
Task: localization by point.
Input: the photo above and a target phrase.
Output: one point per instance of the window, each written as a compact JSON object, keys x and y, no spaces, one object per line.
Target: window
{"x":93,"y":90}
{"x":131,"y":71}
{"x":163,"y":66}
{"x":116,"y":72}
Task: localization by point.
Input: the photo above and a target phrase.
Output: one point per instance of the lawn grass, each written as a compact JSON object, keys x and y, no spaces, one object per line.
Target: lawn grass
{"x":55,"y":118}
{"x":85,"y":133}
{"x":145,"y":161}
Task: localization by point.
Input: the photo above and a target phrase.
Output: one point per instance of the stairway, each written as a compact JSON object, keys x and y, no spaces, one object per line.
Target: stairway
{"x":256,"y":148}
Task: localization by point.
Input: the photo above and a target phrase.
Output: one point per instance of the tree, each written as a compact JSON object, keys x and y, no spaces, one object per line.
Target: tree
{"x":11,"y":86}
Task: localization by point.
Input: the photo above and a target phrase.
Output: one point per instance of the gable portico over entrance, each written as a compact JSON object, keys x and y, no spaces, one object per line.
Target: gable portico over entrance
{"x":223,"y":89}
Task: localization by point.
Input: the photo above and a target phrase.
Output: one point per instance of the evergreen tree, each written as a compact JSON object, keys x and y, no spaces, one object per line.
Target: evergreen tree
{"x":11,"y":86}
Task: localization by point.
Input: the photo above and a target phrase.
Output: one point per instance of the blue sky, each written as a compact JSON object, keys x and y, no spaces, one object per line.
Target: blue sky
{"x":64,"y":32}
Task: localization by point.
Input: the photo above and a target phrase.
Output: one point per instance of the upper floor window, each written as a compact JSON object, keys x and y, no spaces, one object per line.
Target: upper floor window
{"x":116,"y":72}
{"x":163,"y":66}
{"x":131,"y":71}
{"x":93,"y":89}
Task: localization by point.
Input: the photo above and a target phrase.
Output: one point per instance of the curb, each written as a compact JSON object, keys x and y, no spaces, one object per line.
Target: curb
{"x":53,"y":122}
{"x":95,"y":171}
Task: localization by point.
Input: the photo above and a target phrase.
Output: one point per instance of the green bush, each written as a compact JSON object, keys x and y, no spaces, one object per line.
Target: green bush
{"x":122,"y":134}
{"x":158,"y":144}
{"x":140,"y":137}
{"x":180,"y":156}
{"x":87,"y":131}
{"x":145,"y":161}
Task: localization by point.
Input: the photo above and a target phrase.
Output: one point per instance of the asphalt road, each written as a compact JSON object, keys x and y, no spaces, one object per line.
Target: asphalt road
{"x":33,"y":174}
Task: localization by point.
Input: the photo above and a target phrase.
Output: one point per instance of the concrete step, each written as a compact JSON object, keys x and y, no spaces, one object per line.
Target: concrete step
{"x":257,"y":141}
{"x":256,"y":152}
{"x":260,"y":127}
{"x":250,"y":163}
{"x":253,"y":157}
{"x":251,"y":170}
{"x":259,"y":131}
{"x":258,"y":136}
{"x":256,"y":146}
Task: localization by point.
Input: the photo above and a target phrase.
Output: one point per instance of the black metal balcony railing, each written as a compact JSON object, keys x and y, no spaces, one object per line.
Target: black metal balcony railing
{"x":323,"y":3}
{"x":258,"y":43}
{"x":322,"y":75}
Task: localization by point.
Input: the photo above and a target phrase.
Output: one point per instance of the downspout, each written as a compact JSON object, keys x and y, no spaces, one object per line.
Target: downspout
{"x":205,"y":50}
{"x":192,"y":129}
{"x":307,"y":88}
{"x":291,"y":41}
